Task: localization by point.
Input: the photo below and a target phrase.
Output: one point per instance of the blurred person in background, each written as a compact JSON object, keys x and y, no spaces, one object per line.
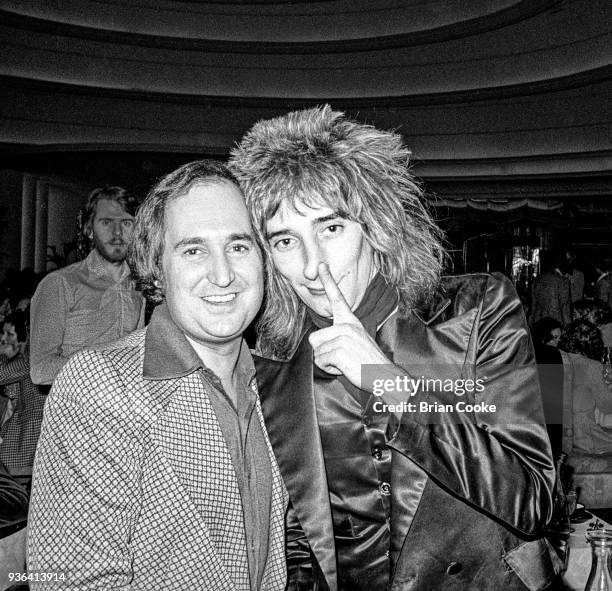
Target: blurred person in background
{"x":21,"y":402}
{"x":603,"y":285}
{"x":551,"y":291}
{"x":581,"y":346}
{"x":575,"y":276}
{"x":91,"y":302}
{"x":546,"y":331}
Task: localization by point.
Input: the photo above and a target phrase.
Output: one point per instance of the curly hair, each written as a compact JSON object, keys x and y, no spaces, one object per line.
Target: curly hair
{"x":583,"y":337}
{"x":317,"y":157}
{"x":147,"y":244}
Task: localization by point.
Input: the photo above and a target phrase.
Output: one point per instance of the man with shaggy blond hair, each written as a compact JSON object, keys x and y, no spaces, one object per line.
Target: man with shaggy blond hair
{"x":393,"y":484}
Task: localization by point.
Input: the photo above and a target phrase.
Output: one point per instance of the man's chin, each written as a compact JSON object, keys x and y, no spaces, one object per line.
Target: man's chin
{"x":323,"y":311}
{"x":114,"y":255}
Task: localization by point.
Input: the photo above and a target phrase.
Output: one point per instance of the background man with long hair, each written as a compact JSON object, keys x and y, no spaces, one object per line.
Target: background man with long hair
{"x":91,"y":302}
{"x":440,"y":500}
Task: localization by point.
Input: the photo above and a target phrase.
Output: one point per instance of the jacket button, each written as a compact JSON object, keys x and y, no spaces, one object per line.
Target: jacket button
{"x":377,"y":453}
{"x":453,"y":568}
{"x":385,"y":488}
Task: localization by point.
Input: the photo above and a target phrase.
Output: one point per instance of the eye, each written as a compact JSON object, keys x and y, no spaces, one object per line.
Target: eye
{"x":193,"y":251}
{"x":332,"y":230}
{"x":127,"y":223}
{"x":240,"y":248}
{"x":284,"y":244}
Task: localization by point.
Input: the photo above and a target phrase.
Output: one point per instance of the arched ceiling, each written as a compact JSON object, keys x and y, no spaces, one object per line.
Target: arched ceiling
{"x":287,"y":26}
{"x":478,"y":88}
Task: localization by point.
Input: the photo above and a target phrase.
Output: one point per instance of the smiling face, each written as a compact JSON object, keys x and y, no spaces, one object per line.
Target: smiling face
{"x":211,"y":266}
{"x":300,"y":240}
{"x":111,"y":230}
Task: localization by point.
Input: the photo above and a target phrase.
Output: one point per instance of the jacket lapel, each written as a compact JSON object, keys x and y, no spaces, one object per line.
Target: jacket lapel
{"x":291,"y":420}
{"x":415,"y":342}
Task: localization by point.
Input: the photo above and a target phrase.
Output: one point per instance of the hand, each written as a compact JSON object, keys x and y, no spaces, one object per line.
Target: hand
{"x":344,"y":347}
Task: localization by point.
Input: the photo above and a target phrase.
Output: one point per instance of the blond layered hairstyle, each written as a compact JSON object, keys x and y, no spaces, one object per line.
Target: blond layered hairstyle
{"x":319,"y":158}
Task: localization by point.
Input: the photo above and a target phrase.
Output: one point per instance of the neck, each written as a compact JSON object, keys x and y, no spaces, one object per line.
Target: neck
{"x":222,"y":359}
{"x":113,"y":268}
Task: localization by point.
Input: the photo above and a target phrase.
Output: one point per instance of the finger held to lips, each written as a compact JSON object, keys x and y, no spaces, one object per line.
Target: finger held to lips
{"x":341,"y":311}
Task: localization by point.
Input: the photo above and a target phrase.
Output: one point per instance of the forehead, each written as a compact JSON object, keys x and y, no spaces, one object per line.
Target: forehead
{"x":107,"y":208}
{"x":213,"y":210}
{"x":298,"y":214}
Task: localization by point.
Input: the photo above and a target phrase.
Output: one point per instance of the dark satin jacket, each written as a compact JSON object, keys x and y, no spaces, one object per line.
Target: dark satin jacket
{"x":471,"y":491}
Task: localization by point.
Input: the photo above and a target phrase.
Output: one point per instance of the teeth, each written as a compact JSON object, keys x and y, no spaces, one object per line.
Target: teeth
{"x":217,"y":299}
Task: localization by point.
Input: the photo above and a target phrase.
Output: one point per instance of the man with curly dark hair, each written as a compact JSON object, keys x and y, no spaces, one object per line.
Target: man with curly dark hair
{"x":154,"y":470}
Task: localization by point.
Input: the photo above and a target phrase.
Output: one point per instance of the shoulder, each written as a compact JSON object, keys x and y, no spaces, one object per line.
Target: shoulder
{"x":125,"y":355}
{"x":580,"y":361}
{"x":462,"y":293}
{"x":104,"y":371}
{"x":471,"y":285}
{"x":61,"y":276}
{"x":108,"y":383}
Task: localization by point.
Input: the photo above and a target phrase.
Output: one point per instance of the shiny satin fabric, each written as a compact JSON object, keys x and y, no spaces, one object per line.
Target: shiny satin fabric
{"x":469,"y":495}
{"x":358,"y":469}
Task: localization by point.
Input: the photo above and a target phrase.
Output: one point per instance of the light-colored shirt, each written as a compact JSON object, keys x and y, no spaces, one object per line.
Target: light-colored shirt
{"x":583,"y":377}
{"x":76,"y":307}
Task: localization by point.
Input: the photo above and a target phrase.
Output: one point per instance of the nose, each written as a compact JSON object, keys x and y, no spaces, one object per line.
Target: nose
{"x":221,"y":272}
{"x":117,"y":228}
{"x":312,"y":257}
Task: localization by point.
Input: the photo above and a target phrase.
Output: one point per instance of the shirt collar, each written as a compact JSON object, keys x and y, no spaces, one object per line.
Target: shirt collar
{"x":168,"y":353}
{"x":95,"y":264}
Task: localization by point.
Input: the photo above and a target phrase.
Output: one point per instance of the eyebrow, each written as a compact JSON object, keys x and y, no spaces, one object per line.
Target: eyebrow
{"x":320,"y":220}
{"x":245,"y":236}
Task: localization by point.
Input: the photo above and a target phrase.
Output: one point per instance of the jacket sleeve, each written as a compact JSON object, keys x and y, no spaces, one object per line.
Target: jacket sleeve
{"x":85,"y":494}
{"x":14,"y":370}
{"x":499,"y":462}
